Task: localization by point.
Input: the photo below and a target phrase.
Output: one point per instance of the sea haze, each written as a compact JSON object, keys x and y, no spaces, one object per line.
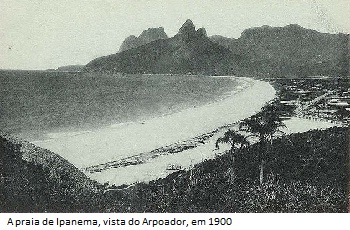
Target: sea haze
{"x":35,"y":103}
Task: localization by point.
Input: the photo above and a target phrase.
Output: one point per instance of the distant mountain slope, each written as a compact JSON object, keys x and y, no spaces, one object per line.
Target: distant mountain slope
{"x":145,"y":37}
{"x":70,"y":68}
{"x":290,"y":51}
{"x":189,"y":51}
{"x":37,"y":180}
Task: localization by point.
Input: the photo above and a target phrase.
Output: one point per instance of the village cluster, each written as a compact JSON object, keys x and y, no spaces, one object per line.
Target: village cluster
{"x":319,"y":98}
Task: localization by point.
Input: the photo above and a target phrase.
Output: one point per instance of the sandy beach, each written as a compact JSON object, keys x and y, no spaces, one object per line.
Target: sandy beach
{"x":156,"y":168}
{"x":122,"y":140}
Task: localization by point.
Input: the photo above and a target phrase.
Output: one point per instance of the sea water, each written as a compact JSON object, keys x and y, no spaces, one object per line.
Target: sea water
{"x":39,"y":105}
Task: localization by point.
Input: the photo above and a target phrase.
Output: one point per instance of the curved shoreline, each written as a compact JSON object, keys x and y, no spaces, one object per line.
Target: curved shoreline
{"x":114,"y":143}
{"x":242,"y":83}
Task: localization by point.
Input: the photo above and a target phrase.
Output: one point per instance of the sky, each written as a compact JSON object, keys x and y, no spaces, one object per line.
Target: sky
{"x":43,"y":34}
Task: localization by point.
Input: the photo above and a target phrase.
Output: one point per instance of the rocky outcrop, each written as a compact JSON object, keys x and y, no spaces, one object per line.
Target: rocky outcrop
{"x":189,"y":52}
{"x":147,"y":36}
{"x":188,"y":32}
{"x":290,"y":51}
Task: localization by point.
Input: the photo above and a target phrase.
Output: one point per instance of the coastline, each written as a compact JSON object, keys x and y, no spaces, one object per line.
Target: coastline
{"x":154,"y":165}
{"x":117,"y":142}
{"x":140,"y":169}
{"x":127,"y":153}
{"x":122,"y":141}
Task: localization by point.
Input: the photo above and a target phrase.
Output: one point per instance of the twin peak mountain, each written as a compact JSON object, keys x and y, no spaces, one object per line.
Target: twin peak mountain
{"x":263,"y":51}
{"x":186,"y":32}
{"x":189,"y":51}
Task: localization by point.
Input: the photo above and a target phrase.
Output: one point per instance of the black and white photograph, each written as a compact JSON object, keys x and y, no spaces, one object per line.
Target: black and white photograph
{"x":187,"y":106}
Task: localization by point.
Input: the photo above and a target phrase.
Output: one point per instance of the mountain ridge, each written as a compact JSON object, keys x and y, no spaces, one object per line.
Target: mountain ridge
{"x":289,"y":51}
{"x":147,"y":36}
{"x":189,"y":51}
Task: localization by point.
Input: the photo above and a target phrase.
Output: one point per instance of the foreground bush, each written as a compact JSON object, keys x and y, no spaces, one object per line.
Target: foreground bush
{"x":306,"y":172}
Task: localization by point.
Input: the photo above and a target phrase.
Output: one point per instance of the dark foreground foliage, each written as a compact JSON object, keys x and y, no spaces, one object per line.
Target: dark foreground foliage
{"x":306,"y":172}
{"x":37,"y":180}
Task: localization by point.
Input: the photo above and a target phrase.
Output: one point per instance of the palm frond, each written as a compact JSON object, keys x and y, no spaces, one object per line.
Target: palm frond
{"x":233,"y":138}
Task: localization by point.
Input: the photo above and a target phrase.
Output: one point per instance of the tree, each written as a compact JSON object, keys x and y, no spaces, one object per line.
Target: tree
{"x":263,"y":125}
{"x":342,"y":113}
{"x":236,"y":140}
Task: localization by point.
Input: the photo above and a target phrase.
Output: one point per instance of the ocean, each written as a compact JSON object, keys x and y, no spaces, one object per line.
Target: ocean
{"x":34,"y":104}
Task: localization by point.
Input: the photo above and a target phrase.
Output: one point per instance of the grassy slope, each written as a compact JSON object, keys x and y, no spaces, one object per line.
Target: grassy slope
{"x":307,"y":172}
{"x":37,"y":180}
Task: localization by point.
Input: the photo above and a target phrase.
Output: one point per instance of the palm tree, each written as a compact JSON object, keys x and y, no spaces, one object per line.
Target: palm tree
{"x":263,"y":125}
{"x":233,"y":138}
{"x":236,"y":140}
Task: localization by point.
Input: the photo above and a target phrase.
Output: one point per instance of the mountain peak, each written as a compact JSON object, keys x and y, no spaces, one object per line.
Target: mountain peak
{"x":147,"y":36}
{"x":202,"y":32}
{"x":153,"y":34}
{"x":274,"y":31}
{"x":189,"y":51}
{"x":188,"y":32}
{"x":187,"y":28}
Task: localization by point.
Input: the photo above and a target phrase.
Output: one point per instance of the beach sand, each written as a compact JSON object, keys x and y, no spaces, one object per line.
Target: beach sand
{"x":157,"y":167}
{"x":299,"y":125}
{"x":123,"y":140}
{"x":119,"y":141}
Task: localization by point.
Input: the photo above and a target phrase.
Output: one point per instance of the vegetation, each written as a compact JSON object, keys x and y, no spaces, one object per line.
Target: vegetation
{"x":188,"y":52}
{"x":37,"y":180}
{"x":305,"y":172}
{"x":236,"y":140}
{"x":263,"y":125}
{"x":288,"y":51}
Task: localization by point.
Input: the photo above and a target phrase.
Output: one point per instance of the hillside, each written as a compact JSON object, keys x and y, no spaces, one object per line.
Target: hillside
{"x":189,"y":51}
{"x":147,"y":36}
{"x":37,"y":180}
{"x":70,"y":68}
{"x":306,"y":172}
{"x":290,"y":51}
